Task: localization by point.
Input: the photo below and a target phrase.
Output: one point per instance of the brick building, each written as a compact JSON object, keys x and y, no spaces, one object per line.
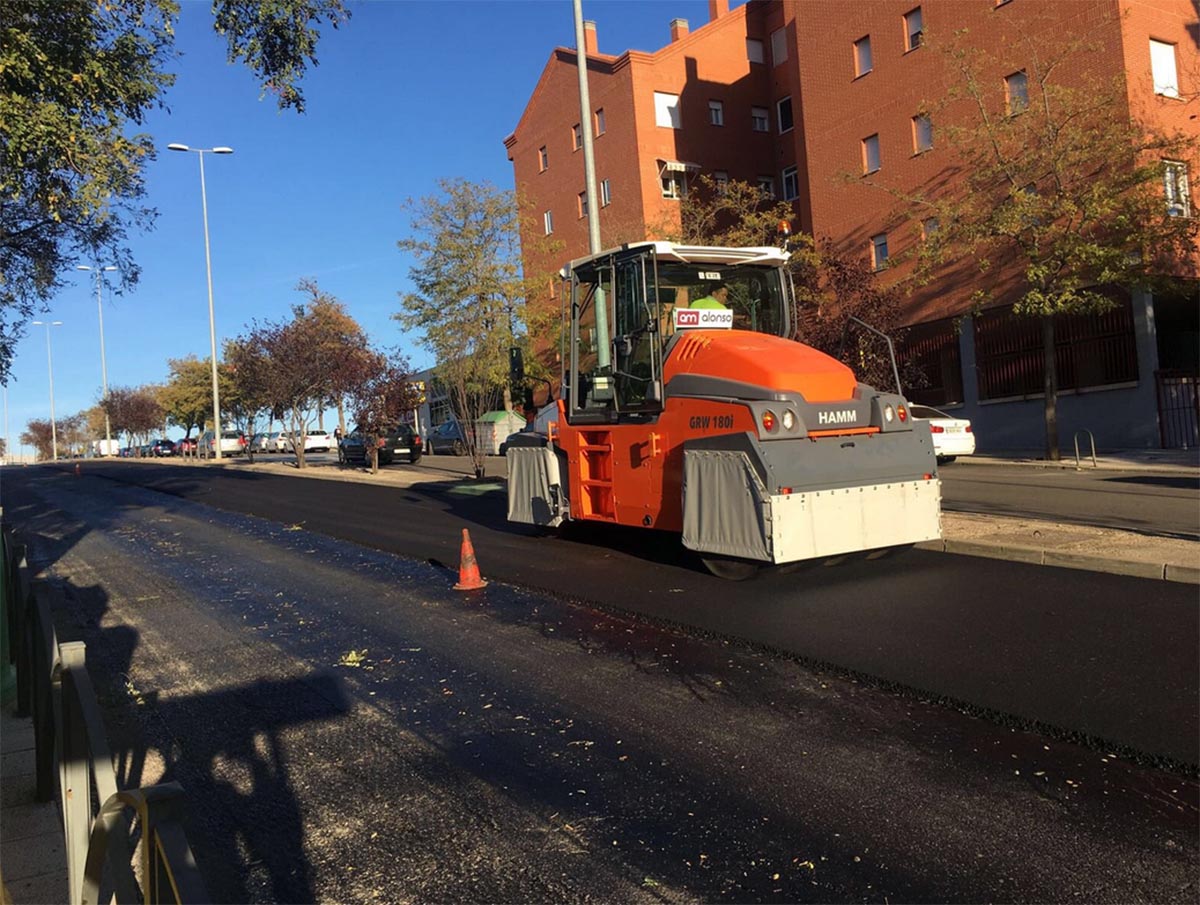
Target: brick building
{"x":801,"y":97}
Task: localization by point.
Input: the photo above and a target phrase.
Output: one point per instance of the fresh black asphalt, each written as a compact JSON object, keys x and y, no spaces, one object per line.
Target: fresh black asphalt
{"x":505,"y":746}
{"x":1106,"y":658}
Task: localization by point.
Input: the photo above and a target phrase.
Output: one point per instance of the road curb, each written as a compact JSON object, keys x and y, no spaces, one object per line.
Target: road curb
{"x":1041,"y":556}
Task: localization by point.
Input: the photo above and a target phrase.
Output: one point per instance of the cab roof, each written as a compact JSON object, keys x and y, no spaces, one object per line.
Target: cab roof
{"x":691,"y":254}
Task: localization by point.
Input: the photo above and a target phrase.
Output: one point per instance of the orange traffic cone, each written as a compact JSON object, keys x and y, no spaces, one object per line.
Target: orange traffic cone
{"x":468,"y":570}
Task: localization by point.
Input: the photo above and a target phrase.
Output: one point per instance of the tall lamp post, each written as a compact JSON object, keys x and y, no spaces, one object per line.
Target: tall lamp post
{"x":50,"y":363}
{"x":212,"y":324}
{"x":100,"y":271}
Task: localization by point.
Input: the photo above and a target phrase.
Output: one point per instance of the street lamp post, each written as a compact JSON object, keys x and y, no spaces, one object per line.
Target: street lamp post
{"x":212,"y":324}
{"x":100,"y":271}
{"x":50,"y":363}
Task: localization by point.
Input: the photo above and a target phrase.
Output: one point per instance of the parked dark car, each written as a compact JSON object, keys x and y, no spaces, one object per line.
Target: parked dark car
{"x":401,"y":443}
{"x":162,"y":447}
{"x":186,"y":447}
{"x":446,"y":438}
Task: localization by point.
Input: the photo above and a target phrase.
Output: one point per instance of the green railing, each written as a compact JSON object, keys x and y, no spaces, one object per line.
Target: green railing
{"x":73,"y":759}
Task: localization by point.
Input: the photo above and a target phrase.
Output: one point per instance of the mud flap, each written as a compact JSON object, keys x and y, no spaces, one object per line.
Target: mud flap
{"x":726,"y":507}
{"x":535,"y":494}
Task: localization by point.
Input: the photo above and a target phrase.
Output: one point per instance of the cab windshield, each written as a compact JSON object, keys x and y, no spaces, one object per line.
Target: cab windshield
{"x":753,"y":294}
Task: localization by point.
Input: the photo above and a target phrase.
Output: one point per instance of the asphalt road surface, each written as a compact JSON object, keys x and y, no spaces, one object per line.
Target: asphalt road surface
{"x":1161,"y":504}
{"x":1081,"y":655}
{"x":348,"y":729}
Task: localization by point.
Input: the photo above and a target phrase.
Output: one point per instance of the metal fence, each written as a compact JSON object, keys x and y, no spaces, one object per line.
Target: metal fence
{"x":102,"y":833}
{"x":1178,"y":408}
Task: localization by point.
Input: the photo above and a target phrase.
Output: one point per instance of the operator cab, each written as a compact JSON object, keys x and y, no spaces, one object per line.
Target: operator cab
{"x":629,"y":306}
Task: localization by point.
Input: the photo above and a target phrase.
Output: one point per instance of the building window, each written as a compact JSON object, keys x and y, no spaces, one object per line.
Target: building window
{"x":582,"y":205}
{"x":674,"y":185}
{"x":576,"y":137}
{"x":783,"y":110}
{"x":760,"y":119}
{"x":922,"y":129}
{"x":1016,"y":92}
{"x":879,"y":252}
{"x":914,"y":29}
{"x":548,"y":222}
{"x":791,"y":184}
{"x":1091,"y":350}
{"x":870,"y":154}
{"x":862,"y":56}
{"x":666,"y":110}
{"x":766,"y":185}
{"x":1175,"y":186}
{"x":600,"y":122}
{"x":605,"y":193}
{"x":543,"y":159}
{"x":929,"y":227}
{"x":754,"y":50}
{"x":716,"y":113}
{"x":778,"y":46}
{"x":1162,"y":67}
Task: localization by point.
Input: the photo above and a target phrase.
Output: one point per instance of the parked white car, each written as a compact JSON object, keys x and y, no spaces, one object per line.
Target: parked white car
{"x":314,"y":441}
{"x":952,"y":437}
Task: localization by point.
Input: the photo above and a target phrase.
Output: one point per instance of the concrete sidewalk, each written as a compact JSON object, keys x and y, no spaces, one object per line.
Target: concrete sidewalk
{"x":1162,"y":461}
{"x":33,"y":860}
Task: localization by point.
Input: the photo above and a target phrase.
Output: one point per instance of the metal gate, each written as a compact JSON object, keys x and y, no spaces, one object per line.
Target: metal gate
{"x":1178,"y":409}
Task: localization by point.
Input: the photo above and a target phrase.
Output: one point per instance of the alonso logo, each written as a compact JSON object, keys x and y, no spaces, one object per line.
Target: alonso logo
{"x":707,"y":318}
{"x":845,"y":416}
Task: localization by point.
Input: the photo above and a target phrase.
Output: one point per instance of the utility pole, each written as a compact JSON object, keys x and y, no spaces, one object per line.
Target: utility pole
{"x":603,"y":346}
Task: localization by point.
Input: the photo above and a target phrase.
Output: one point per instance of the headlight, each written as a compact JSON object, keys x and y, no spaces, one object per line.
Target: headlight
{"x":789,"y":420}
{"x":889,"y":414}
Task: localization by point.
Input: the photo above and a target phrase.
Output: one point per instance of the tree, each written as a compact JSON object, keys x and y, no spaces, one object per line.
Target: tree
{"x":72,"y":433}
{"x":302,"y":362}
{"x":1058,"y":184}
{"x":731,"y":213}
{"x":249,"y":380}
{"x":77,"y":79}
{"x":3,"y":448}
{"x":39,"y":433}
{"x":469,"y":298}
{"x":380,"y":400}
{"x":831,"y":287}
{"x":186,"y":398}
{"x":134,"y":411}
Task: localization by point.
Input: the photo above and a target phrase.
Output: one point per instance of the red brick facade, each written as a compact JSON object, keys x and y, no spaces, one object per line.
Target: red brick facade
{"x":834,"y":108}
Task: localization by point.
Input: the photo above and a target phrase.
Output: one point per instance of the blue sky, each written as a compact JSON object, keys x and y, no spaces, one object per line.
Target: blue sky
{"x":407,"y":93}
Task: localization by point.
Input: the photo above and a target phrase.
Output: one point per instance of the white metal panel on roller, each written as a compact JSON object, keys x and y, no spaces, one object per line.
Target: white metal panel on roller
{"x":830,"y":522}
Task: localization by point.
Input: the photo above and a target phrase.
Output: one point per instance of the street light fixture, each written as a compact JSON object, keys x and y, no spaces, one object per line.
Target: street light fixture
{"x":50,"y":362}
{"x":212,"y":324}
{"x":100,"y":271}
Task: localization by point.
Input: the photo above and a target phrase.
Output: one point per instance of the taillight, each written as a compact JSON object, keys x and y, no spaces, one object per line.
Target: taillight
{"x":968,"y":429}
{"x":416,"y":441}
{"x":381,"y":443}
{"x":768,"y":420}
{"x":936,"y":429}
{"x":241,"y":441}
{"x":902,"y":412}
